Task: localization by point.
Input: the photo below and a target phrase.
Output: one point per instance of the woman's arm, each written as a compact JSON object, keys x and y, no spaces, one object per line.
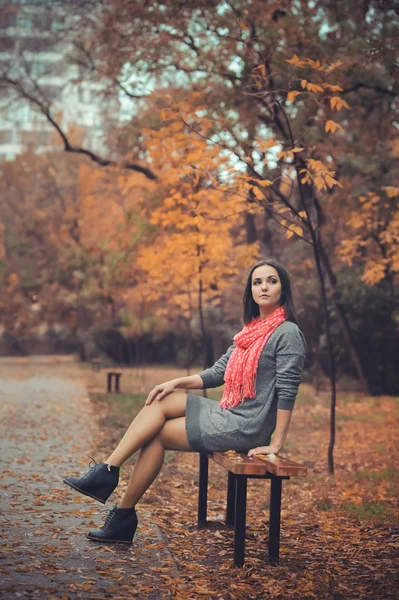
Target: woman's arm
{"x":280,"y":433}
{"x":190,"y":382}
{"x":212,"y":377}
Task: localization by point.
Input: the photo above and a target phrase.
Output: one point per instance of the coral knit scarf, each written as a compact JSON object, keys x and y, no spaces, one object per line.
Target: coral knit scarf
{"x":240,"y":375}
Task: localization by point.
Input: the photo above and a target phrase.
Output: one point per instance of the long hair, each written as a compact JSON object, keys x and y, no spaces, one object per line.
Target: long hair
{"x":251,"y":309}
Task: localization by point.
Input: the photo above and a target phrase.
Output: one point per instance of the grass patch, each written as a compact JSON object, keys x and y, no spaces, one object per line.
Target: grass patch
{"x":376,"y":417}
{"x":324,"y":505}
{"x":378,"y":447}
{"x":386,"y":474}
{"x":305,"y":399}
{"x":368,"y":511}
{"x":121,"y":405}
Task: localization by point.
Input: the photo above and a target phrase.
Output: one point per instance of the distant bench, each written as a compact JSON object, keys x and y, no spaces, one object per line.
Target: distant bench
{"x":240,"y":467}
{"x":113,"y":376}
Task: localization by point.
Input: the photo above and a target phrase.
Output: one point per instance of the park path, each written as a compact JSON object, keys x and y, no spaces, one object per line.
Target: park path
{"x":47,"y":430}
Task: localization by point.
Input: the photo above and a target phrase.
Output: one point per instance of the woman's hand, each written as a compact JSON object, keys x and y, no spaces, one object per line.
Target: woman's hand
{"x":272,"y":449}
{"x":160,"y":391}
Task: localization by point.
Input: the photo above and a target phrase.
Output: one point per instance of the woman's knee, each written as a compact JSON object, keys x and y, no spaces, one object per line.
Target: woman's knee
{"x":172,"y":406}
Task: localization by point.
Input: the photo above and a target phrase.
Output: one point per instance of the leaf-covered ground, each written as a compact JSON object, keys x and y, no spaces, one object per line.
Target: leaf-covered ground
{"x":338,"y":536}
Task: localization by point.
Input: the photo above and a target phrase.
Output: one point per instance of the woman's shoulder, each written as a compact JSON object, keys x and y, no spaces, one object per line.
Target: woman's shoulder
{"x":288,"y":327}
{"x":289,"y":337}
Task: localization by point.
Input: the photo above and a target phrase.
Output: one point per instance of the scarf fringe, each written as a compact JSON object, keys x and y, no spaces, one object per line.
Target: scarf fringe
{"x":238,"y":394}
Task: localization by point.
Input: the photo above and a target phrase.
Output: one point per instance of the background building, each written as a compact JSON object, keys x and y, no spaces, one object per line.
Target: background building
{"x":36,"y":53}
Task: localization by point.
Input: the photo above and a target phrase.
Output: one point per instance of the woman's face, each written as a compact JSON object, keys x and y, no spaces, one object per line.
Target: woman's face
{"x":266,"y":289}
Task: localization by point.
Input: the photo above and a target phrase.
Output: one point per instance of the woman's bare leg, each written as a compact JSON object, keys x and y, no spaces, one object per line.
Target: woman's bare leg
{"x":147,"y":425}
{"x":171,"y":437}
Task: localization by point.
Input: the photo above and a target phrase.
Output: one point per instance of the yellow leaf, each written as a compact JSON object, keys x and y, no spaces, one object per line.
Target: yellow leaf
{"x":166,"y":115}
{"x":315,"y":64}
{"x":338,"y":103}
{"x":302,"y":213}
{"x":258,"y":193}
{"x":334,"y":65}
{"x":297,"y":229}
{"x":330,"y":181}
{"x":357,"y":222}
{"x":391,"y":191}
{"x":296,"y":62}
{"x":304,"y":83}
{"x":319,"y":182}
{"x":242,"y":24}
{"x":264,"y":144}
{"x":262,"y":70}
{"x":265,"y":183}
{"x":296,"y":149}
{"x":333,"y":126}
{"x":291,"y":95}
{"x":314,"y":87}
{"x":289,"y":233}
{"x":333,"y":88}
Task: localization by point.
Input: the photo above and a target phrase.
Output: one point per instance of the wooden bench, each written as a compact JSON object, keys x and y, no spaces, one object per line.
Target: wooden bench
{"x":240,"y":467}
{"x":113,"y":376}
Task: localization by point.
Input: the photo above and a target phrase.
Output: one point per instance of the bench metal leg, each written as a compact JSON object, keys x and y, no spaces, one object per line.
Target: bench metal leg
{"x":239,"y":520}
{"x":203,"y":490}
{"x":109,"y":383}
{"x":231,"y":498}
{"x":275,"y":517}
{"x":117,"y":390}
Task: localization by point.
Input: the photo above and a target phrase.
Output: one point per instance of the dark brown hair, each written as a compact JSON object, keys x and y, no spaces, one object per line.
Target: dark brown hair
{"x":251,"y":309}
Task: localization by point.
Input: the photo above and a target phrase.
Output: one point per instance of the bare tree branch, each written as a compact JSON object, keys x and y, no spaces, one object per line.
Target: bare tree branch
{"x":68,"y":147}
{"x":376,"y":88}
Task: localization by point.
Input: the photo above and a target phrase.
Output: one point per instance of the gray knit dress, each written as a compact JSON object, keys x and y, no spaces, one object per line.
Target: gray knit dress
{"x":251,"y":423}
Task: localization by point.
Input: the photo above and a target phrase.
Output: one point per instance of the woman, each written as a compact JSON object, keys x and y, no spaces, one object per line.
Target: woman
{"x":261,"y":371}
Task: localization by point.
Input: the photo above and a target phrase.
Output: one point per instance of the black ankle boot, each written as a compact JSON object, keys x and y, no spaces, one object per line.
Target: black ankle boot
{"x":119,"y":527}
{"x":99,"y":482}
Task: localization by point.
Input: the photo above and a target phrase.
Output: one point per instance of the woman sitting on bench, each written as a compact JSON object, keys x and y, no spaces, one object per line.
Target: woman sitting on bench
{"x":261,"y":372}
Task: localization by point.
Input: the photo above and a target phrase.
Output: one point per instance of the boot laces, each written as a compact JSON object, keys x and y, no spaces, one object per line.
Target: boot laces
{"x":93,"y":460}
{"x":92,"y":465}
{"x":110,"y":516}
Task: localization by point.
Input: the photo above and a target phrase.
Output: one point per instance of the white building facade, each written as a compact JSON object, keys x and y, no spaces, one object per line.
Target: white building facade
{"x":36,"y":46}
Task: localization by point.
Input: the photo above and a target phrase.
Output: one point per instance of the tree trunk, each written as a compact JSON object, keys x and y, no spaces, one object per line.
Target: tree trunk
{"x":88,"y":345}
{"x":250,"y":228}
{"x":331,"y":357}
{"x":202,"y":322}
{"x":307,"y":193}
{"x":343,"y":320}
{"x":189,"y":346}
{"x":202,"y":325}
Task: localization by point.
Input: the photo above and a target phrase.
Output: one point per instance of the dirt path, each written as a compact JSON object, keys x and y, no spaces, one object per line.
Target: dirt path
{"x":47,"y":429}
